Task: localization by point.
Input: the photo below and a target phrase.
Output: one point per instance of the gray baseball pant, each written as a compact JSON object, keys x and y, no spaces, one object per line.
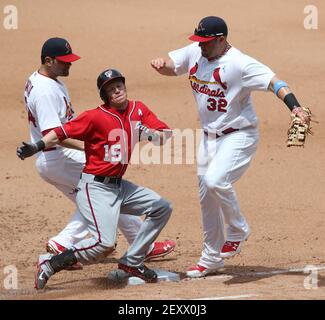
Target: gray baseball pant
{"x":101,"y":203}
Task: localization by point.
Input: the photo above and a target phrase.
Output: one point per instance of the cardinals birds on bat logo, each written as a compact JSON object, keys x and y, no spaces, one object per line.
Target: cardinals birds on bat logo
{"x":216,"y":76}
{"x":194,"y":69}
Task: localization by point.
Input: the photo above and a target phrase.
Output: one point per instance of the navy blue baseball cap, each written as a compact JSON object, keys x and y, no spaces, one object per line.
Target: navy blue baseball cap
{"x":209,"y":28}
{"x":59,"y":49}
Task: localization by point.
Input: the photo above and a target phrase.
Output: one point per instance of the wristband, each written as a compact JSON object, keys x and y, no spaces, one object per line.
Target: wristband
{"x":278,"y":85}
{"x":40,"y":145}
{"x":291,"y":101}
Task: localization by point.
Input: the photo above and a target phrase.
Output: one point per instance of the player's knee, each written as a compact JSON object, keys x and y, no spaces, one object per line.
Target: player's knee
{"x":218,"y":185}
{"x":167,"y":207}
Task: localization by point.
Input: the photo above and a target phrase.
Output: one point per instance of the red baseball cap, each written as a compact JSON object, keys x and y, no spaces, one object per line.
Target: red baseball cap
{"x":209,"y":28}
{"x":59,"y":49}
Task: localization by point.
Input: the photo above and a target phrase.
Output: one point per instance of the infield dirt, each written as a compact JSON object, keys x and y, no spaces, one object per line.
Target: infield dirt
{"x":281,"y":194}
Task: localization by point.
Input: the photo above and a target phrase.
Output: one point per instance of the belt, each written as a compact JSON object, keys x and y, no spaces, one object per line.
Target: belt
{"x":224,"y":132}
{"x":49,"y":149}
{"x":108,"y":180}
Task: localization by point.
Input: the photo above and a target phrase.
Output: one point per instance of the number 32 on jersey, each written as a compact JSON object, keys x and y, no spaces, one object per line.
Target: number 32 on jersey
{"x":219,"y":105}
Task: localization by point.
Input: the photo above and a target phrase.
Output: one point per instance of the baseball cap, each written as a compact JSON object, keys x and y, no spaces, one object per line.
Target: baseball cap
{"x":59,"y":49}
{"x":209,"y":28}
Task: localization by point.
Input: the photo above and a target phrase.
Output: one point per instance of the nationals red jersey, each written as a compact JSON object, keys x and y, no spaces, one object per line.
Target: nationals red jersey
{"x":109,"y":135}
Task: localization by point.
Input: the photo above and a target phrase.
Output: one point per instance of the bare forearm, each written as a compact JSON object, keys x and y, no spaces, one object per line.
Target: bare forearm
{"x":50,"y":139}
{"x":72,"y":144}
{"x":27,"y":149}
{"x":283,"y":92}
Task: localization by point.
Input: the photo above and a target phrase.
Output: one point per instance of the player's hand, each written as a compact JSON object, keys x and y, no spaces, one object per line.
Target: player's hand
{"x":302,"y":114}
{"x":158,"y":63}
{"x":146,"y":134}
{"x":26,"y":150}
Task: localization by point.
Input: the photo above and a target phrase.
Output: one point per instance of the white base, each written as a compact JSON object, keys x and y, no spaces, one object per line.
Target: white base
{"x":120,"y":276}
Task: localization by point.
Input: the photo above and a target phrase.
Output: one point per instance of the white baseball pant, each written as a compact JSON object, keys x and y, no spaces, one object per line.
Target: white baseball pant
{"x":221,"y":162}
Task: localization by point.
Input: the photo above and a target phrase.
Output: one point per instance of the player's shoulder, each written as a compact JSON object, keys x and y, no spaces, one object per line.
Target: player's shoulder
{"x":191,"y":49}
{"x":240,"y":58}
{"x":236,"y":54}
{"x":41,"y":85}
{"x":139,"y":106}
{"x":244,"y":57}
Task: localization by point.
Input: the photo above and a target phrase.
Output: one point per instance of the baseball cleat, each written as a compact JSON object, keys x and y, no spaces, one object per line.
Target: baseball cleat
{"x":44,"y":271}
{"x":230,"y":249}
{"x":199,"y":271}
{"x":160,"y":249}
{"x":55,"y":248}
{"x":142,"y":272}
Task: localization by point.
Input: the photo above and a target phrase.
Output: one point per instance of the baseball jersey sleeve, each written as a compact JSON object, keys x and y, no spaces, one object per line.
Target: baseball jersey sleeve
{"x":46,"y":112}
{"x":79,"y":128}
{"x":150,"y":120}
{"x":182,"y":57}
{"x":256,"y":75}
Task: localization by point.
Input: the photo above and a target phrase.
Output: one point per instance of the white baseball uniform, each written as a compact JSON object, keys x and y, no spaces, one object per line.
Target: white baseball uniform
{"x":48,"y":105}
{"x":222,"y":90}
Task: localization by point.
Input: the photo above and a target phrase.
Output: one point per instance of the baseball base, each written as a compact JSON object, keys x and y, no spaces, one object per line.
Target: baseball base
{"x":120,"y":276}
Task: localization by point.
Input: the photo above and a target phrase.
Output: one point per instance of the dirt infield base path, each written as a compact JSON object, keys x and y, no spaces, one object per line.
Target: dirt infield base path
{"x":242,"y":283}
{"x":282,"y":193}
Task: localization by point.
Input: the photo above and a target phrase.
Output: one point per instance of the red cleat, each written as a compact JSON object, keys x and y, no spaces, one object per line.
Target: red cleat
{"x":160,"y":250}
{"x":199,"y":271}
{"x":230,"y":249}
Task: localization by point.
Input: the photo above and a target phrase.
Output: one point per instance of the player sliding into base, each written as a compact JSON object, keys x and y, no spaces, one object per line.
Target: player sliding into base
{"x":109,"y":132}
{"x":48,"y":105}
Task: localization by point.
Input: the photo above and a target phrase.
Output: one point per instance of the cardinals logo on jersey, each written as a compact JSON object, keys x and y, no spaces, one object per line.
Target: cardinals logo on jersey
{"x":193,"y":70}
{"x":216,"y":76}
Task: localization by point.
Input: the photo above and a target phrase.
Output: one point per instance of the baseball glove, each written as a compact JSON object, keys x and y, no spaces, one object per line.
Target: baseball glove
{"x":299,"y":128}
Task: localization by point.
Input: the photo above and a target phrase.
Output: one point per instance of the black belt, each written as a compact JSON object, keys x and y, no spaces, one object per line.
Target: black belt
{"x":224,"y":132}
{"x":112,"y":180}
{"x":49,"y":149}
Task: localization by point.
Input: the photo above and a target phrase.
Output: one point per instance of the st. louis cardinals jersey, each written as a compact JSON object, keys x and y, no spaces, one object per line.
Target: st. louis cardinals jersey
{"x":222,"y":87}
{"x":109,"y":135}
{"x":47,"y":103}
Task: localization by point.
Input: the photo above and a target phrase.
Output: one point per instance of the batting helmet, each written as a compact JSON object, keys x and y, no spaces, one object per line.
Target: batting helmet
{"x":105,"y":77}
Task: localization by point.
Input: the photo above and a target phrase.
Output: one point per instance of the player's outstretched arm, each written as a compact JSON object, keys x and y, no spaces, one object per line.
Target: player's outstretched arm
{"x":283,"y":92}
{"x":73,"y":144}
{"x":164,"y":66}
{"x":299,"y":126}
{"x":27,"y":149}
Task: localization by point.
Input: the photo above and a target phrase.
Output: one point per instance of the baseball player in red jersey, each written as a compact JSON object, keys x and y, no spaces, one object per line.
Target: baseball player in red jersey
{"x":48,"y":105}
{"x":222,"y":79}
{"x":109,"y":132}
